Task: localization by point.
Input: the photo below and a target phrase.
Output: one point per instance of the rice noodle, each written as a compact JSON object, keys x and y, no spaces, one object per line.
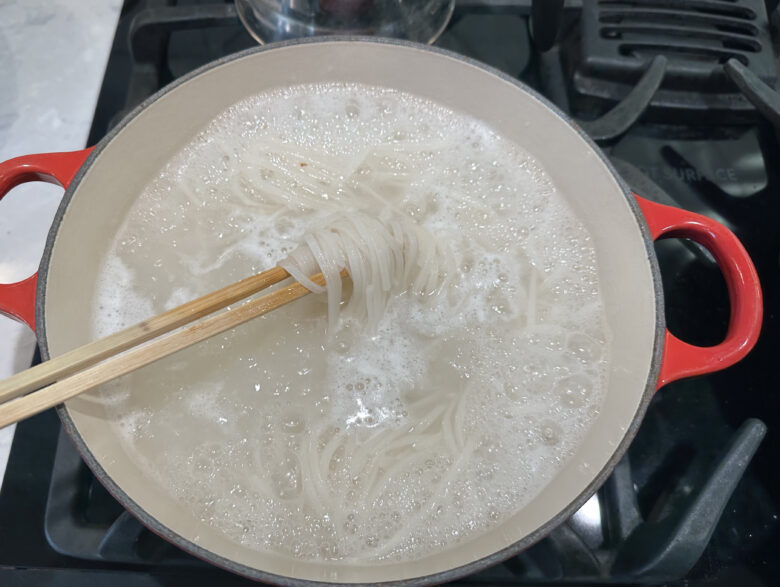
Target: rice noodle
{"x":384,"y":255}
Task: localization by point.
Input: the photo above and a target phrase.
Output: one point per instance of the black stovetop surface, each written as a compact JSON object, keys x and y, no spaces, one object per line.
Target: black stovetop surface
{"x":686,"y":506}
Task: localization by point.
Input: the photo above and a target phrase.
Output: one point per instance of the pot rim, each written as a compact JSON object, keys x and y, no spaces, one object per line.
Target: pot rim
{"x":435,"y":578}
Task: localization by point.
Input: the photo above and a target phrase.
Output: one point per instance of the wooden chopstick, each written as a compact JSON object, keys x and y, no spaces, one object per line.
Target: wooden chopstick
{"x":94,"y":352}
{"x":115,"y":365}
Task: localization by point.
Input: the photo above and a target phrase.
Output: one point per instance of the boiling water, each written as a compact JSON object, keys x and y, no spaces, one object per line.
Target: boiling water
{"x":388,"y":444}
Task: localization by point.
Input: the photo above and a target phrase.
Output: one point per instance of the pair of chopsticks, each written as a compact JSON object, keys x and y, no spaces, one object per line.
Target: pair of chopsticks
{"x":51,"y":383}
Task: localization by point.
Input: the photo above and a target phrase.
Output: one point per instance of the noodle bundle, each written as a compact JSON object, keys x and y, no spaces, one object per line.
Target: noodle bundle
{"x":383,"y":255}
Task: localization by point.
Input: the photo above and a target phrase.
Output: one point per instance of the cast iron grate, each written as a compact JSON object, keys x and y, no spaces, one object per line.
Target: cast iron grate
{"x":620,"y":37}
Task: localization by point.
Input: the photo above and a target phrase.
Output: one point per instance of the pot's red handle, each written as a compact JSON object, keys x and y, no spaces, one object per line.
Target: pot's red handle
{"x":17,"y":300}
{"x":681,"y":359}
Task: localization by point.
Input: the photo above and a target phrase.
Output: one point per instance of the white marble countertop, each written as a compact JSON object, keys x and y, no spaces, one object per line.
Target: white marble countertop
{"x":52,"y":57}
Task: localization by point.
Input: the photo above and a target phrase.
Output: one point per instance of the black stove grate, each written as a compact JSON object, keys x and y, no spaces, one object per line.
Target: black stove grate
{"x":620,"y":37}
{"x":703,"y":34}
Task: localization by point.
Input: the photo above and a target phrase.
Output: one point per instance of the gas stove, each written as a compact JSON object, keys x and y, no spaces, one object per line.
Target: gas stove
{"x":679,"y":94}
